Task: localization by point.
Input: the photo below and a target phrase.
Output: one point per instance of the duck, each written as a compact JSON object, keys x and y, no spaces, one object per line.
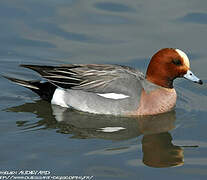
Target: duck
{"x":113,"y":89}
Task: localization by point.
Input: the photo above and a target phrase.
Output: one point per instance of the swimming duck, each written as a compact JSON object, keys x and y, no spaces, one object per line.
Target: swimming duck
{"x":114,"y":89}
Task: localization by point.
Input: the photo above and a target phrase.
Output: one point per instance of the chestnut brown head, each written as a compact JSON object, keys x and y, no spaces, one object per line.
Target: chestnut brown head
{"x":167,"y":65}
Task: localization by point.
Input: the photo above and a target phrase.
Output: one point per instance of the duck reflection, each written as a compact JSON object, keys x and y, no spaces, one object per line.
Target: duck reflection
{"x":158,"y":150}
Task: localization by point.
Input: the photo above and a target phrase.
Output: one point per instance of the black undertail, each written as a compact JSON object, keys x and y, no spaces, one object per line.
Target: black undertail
{"x":44,"y":89}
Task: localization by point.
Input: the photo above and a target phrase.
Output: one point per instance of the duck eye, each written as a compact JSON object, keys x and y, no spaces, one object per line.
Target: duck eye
{"x":177,"y":62}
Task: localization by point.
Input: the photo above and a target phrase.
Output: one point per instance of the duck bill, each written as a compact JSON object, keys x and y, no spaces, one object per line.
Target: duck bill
{"x":190,"y":76}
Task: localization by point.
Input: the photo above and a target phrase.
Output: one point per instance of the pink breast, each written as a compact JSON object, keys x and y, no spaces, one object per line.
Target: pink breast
{"x":155,"y":102}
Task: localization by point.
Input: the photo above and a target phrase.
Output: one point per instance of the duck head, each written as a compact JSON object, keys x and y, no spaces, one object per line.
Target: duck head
{"x":168,"y":64}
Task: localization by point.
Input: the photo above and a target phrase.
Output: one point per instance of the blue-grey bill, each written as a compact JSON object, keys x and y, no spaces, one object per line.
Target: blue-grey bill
{"x":190,"y":76}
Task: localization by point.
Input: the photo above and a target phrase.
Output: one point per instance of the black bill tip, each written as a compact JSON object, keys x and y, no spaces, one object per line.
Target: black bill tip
{"x":199,"y":82}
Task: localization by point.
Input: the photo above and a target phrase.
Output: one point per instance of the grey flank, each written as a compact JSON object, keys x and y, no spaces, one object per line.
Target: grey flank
{"x":82,"y":83}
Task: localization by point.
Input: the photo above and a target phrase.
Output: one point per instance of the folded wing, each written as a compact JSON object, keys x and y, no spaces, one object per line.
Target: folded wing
{"x":93,"y":77}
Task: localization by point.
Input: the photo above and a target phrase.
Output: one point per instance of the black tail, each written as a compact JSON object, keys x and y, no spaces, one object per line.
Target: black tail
{"x":44,"y":89}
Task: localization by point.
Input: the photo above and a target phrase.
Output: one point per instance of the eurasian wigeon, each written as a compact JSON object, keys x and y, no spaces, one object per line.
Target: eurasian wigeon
{"x":114,"y":89}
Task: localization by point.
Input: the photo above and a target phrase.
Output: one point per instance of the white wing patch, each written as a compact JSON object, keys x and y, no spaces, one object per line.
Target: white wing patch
{"x":58,"y":98}
{"x":113,"y":95}
{"x":184,"y":56}
{"x":111,"y":129}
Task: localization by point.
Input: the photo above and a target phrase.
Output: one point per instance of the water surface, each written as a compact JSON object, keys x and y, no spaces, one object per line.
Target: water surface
{"x":37,"y":136}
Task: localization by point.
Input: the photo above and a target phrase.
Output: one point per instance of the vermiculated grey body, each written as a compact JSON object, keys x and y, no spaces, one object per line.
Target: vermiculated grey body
{"x":83,"y":87}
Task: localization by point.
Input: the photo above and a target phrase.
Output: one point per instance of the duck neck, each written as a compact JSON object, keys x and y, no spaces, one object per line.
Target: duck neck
{"x":160,"y":81}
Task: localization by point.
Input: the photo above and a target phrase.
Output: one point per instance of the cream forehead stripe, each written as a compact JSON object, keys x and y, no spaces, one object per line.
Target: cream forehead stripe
{"x":184,"y":56}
